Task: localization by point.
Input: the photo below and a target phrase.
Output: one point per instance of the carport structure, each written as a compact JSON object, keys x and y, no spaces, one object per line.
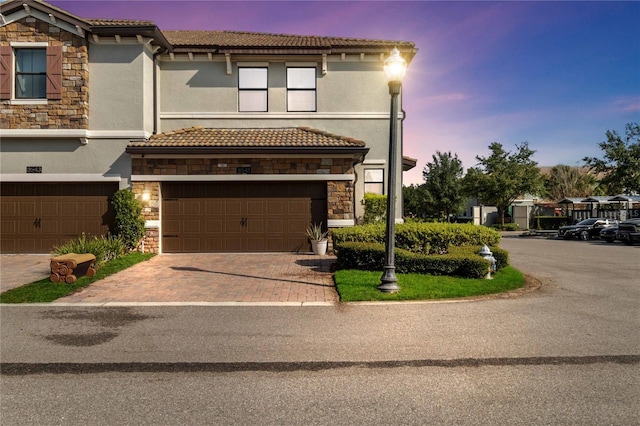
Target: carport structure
{"x":619,"y":207}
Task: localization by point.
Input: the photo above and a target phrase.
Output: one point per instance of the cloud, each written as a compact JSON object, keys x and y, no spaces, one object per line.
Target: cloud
{"x":626,"y":103}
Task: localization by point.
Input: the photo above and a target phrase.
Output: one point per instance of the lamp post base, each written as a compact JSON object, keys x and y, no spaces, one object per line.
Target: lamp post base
{"x":389,"y":282}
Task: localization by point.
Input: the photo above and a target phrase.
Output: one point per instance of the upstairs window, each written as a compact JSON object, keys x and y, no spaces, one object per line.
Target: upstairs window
{"x":252,"y":89}
{"x":301,"y":89}
{"x":31,"y":73}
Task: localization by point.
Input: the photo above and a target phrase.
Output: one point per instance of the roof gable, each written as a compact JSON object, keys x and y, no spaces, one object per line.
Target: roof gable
{"x":15,"y":10}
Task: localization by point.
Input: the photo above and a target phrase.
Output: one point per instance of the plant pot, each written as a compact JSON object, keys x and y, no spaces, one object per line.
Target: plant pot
{"x":319,"y":247}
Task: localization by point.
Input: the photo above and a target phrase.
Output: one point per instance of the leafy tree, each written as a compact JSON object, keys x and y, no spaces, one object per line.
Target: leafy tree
{"x":414,"y":201}
{"x":502,"y":177}
{"x":620,"y":166}
{"x":443,"y":185}
{"x":566,"y":181}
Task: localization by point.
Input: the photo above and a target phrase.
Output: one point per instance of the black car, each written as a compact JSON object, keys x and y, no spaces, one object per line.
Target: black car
{"x":609,"y":234}
{"x":586,"y":229}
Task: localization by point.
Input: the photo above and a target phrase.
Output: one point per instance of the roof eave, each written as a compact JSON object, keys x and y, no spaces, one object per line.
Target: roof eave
{"x":151,"y":31}
{"x":200,"y":150}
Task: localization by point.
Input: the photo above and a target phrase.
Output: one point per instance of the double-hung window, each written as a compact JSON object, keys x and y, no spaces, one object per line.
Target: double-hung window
{"x":374,"y":181}
{"x":252,"y":89}
{"x":31,"y":73}
{"x":301,"y":89}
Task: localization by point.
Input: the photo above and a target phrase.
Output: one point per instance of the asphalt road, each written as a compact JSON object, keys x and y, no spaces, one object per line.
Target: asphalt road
{"x":566,"y":353}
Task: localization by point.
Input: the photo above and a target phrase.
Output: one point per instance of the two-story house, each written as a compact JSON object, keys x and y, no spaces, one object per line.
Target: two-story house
{"x":233,"y":141}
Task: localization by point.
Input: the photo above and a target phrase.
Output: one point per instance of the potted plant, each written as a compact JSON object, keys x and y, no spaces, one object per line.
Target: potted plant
{"x":318,"y":238}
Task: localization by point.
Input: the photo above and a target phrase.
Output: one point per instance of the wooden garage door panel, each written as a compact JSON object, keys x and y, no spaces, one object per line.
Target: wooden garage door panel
{"x":36,"y":217}
{"x":214,"y":226}
{"x":232,"y":207}
{"x":191,"y":226}
{"x":27,"y":208}
{"x":240,"y":217}
{"x":8,"y":208}
{"x":57,"y":208}
{"x":275,"y":225}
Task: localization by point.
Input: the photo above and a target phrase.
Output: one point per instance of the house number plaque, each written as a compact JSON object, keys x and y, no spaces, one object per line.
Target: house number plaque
{"x":243,"y":170}
{"x":34,"y":169}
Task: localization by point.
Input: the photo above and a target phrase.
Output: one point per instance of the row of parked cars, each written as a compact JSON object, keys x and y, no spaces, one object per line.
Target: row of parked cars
{"x":627,"y":231}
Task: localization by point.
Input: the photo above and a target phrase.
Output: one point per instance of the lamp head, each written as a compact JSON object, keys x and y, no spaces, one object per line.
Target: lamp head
{"x":395,"y":67}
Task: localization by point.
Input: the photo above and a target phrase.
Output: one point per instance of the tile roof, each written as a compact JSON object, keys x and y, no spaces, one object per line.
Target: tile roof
{"x":290,"y":137}
{"x":98,"y":22}
{"x":239,"y":39}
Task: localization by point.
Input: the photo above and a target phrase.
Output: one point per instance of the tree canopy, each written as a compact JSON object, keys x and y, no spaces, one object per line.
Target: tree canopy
{"x":620,"y":165}
{"x":443,"y":185}
{"x":503,"y":176}
{"x":566,"y":181}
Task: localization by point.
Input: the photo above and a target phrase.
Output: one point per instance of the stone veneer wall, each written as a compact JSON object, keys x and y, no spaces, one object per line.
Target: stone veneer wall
{"x":340,"y":194}
{"x":150,"y":211}
{"x":227,"y":166}
{"x":70,"y":112}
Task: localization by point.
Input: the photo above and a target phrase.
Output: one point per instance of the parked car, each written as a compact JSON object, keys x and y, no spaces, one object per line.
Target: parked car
{"x":586,"y":229}
{"x":609,"y":234}
{"x":629,"y":231}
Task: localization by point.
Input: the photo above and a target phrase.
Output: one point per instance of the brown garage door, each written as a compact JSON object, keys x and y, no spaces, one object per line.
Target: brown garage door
{"x":36,"y":217}
{"x":207,"y":217}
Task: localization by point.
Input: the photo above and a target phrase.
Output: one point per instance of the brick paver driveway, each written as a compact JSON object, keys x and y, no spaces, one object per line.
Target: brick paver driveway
{"x":264,"y":277}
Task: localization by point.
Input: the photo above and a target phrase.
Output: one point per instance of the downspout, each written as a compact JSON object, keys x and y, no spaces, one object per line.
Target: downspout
{"x":155,"y":89}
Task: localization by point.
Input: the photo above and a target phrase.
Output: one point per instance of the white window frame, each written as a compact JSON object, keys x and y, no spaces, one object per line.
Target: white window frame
{"x":256,"y":90}
{"x":296,"y":90}
{"x":371,"y":178}
{"x":18,"y":45}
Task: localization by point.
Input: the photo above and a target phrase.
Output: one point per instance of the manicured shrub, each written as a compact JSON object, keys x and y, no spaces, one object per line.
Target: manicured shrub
{"x":370,"y":257}
{"x":420,"y":237}
{"x":104,"y":248}
{"x":550,"y":222}
{"x":506,"y":227}
{"x":375,"y":208}
{"x":501,"y":255}
{"x":128,"y":223}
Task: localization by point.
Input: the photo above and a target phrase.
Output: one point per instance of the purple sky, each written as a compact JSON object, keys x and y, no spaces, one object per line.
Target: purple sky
{"x":555,"y":74}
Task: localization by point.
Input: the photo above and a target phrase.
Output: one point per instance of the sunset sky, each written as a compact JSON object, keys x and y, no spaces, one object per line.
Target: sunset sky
{"x":555,"y":74}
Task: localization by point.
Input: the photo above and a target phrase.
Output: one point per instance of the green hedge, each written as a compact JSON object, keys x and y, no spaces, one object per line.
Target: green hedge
{"x":550,"y":222}
{"x":370,"y":257}
{"x":420,"y":237}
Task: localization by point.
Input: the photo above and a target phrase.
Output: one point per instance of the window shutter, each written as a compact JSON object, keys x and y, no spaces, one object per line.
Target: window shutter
{"x":54,"y":72}
{"x":5,"y":72}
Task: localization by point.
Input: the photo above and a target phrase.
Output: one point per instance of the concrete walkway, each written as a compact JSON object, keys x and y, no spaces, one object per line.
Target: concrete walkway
{"x":21,"y":269}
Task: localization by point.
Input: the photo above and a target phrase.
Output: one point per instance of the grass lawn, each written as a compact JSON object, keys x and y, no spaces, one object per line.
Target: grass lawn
{"x":358,"y":286}
{"x":45,"y":291}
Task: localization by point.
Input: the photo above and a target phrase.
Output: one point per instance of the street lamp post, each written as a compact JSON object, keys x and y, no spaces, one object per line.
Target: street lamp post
{"x":395,"y":68}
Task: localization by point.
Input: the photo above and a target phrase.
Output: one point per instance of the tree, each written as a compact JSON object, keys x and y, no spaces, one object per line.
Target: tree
{"x":414,"y":201}
{"x":502,"y":177}
{"x":565,"y":181}
{"x":443,"y":185}
{"x":620,"y":166}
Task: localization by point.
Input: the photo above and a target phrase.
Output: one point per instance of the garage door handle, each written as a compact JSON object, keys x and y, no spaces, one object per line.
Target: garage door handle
{"x":243,"y":221}
{"x":36,"y":222}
